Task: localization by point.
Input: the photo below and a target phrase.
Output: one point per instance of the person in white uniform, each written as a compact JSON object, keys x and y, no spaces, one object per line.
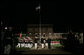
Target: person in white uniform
{"x":42,"y":42}
{"x":36,"y":38}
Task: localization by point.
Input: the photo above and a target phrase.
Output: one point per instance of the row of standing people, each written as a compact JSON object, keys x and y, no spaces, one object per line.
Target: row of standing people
{"x":44,"y":42}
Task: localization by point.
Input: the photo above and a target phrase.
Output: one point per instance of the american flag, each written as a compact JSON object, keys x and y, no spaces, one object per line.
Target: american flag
{"x":38,"y":7}
{"x":20,"y":34}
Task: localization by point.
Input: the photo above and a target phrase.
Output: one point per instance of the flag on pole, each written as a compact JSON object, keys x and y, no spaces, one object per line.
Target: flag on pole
{"x":38,"y":7}
{"x":20,"y":34}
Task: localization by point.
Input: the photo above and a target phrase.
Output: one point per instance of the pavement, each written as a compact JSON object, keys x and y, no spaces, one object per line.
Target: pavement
{"x":43,"y":51}
{"x":51,"y":51}
{"x":39,"y":48}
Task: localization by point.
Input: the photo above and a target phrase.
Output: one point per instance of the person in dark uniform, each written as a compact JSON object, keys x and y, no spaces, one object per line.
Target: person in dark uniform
{"x":2,"y":38}
{"x":49,"y":43}
{"x":70,"y":41}
{"x":8,"y":40}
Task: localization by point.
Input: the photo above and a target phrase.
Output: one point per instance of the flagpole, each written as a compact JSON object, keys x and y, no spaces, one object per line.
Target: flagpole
{"x":38,"y":8}
{"x":40,"y":22}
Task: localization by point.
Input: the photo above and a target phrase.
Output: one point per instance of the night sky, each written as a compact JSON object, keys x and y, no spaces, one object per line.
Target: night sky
{"x":62,"y":16}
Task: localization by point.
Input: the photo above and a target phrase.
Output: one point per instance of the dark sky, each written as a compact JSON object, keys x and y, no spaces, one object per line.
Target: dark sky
{"x":21,"y":13}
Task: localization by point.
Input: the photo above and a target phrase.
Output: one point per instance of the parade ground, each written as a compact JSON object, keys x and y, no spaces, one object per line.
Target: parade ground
{"x":53,"y":50}
{"x":43,"y":51}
